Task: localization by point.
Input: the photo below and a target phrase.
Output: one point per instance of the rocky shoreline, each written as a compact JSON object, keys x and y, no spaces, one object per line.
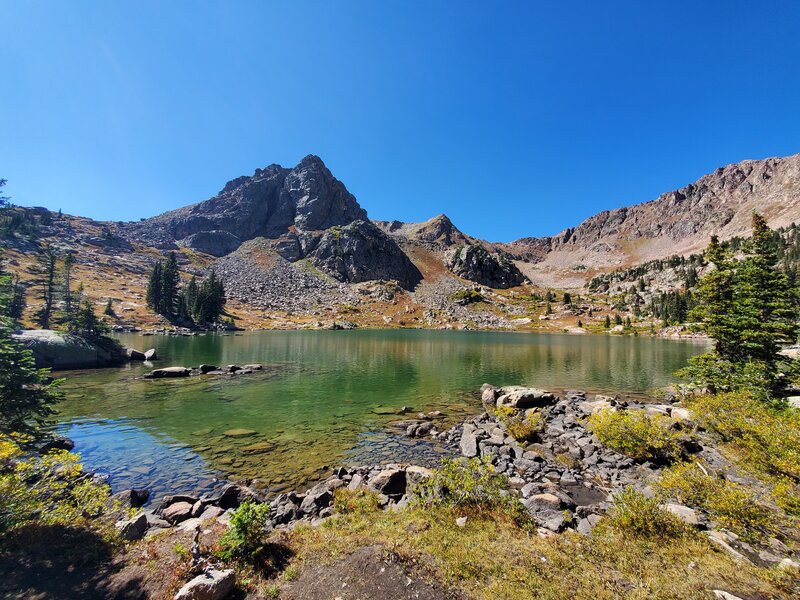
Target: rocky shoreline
{"x":565,"y":479}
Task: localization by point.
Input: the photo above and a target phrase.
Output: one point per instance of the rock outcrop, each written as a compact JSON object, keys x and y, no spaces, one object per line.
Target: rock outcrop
{"x":58,"y":351}
{"x":361,"y":252}
{"x":476,"y":263}
{"x":268,"y":204}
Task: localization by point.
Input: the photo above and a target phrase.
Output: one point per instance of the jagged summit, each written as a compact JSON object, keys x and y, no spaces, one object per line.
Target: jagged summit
{"x":270,"y":203}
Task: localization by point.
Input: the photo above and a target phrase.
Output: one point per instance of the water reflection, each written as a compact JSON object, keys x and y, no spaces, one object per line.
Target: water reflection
{"x":317,"y":397}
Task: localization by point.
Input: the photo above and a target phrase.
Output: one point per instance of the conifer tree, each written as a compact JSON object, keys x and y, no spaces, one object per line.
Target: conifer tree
{"x":26,"y":396}
{"x":154,"y":288}
{"x":45,"y":271}
{"x":169,"y":285}
{"x":749,"y":308}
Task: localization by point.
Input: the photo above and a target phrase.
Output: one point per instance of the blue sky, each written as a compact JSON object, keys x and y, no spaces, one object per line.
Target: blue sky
{"x":514,"y":118}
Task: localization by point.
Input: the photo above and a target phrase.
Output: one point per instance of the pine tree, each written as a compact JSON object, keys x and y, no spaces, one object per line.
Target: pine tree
{"x":26,"y":396}
{"x":749,"y":308}
{"x":714,"y":293}
{"x":190,"y":297}
{"x":766,"y":309}
{"x":86,"y":324}
{"x":607,"y":322}
{"x":109,"y":309}
{"x":45,"y":271}
{"x":154,"y":288}
{"x":170,"y":278}
{"x":69,"y":261}
{"x":567,"y":298}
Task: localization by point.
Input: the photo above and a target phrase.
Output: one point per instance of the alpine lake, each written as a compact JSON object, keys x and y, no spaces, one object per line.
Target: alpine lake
{"x":323,"y":399}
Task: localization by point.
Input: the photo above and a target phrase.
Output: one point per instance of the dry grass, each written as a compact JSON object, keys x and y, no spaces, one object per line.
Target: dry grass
{"x":492,"y":558}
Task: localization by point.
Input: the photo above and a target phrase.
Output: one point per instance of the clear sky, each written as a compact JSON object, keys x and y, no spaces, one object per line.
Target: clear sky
{"x":514,"y":118}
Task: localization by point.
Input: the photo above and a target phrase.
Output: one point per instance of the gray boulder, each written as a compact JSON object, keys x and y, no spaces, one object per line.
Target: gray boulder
{"x":469,"y":442}
{"x":212,"y":584}
{"x":360,"y":252}
{"x":493,"y":269}
{"x":168,"y":372}
{"x":177,"y":512}
{"x":521,"y":398}
{"x":390,"y":482}
{"x":133,"y":528}
{"x":55,"y":350}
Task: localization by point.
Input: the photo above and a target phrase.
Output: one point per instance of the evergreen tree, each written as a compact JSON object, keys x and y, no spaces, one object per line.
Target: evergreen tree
{"x":607,"y":322}
{"x":45,"y":271}
{"x":69,"y":261}
{"x":210,"y":299}
{"x":86,"y":324}
{"x":26,"y":396}
{"x":714,"y":293}
{"x":170,"y":278}
{"x":154,"y":288}
{"x":766,"y":309}
{"x":190,"y":297}
{"x":567,"y":298}
{"x":749,"y":308}
{"x":109,"y":309}
{"x":617,"y":320}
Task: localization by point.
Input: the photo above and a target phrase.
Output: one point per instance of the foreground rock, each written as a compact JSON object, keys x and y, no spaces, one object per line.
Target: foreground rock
{"x":212,"y":584}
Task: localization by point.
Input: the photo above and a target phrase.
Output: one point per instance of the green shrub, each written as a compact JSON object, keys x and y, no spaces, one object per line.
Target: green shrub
{"x":468,"y":296}
{"x":733,"y":505}
{"x":520,"y":426}
{"x":767,"y":437}
{"x":470,"y":484}
{"x":246,"y":533}
{"x":636,"y":515}
{"x":358,"y":502}
{"x":636,"y":434}
{"x":46,"y":489}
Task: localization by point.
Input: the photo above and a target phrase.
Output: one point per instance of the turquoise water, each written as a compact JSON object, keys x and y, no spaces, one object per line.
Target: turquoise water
{"x":324,"y":397}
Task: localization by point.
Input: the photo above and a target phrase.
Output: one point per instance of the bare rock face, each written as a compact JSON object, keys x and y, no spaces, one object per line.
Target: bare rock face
{"x":268,"y":204}
{"x":677,"y":222}
{"x":476,"y":263}
{"x":361,"y":252}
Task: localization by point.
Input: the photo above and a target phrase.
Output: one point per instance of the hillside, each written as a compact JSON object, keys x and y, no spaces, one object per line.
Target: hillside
{"x":296,"y":249}
{"x":677,"y":222}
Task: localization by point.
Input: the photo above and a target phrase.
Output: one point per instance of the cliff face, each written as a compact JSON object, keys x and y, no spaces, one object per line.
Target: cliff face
{"x":680,"y":221}
{"x":268,"y":204}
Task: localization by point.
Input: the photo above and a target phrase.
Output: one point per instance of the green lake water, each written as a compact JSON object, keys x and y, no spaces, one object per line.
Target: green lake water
{"x":324,"y":398}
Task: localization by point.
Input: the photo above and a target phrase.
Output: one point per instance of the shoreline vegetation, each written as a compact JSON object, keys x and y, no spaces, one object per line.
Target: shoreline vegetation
{"x":693,"y":495}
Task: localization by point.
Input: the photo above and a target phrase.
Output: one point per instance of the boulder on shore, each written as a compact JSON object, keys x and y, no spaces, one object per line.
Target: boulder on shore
{"x":212,"y":584}
{"x":168,"y":372}
{"x":56,"y":350}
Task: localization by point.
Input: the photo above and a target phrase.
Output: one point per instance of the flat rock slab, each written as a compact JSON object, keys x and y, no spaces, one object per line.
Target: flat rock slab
{"x":239,"y":433}
{"x":366,"y":574}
